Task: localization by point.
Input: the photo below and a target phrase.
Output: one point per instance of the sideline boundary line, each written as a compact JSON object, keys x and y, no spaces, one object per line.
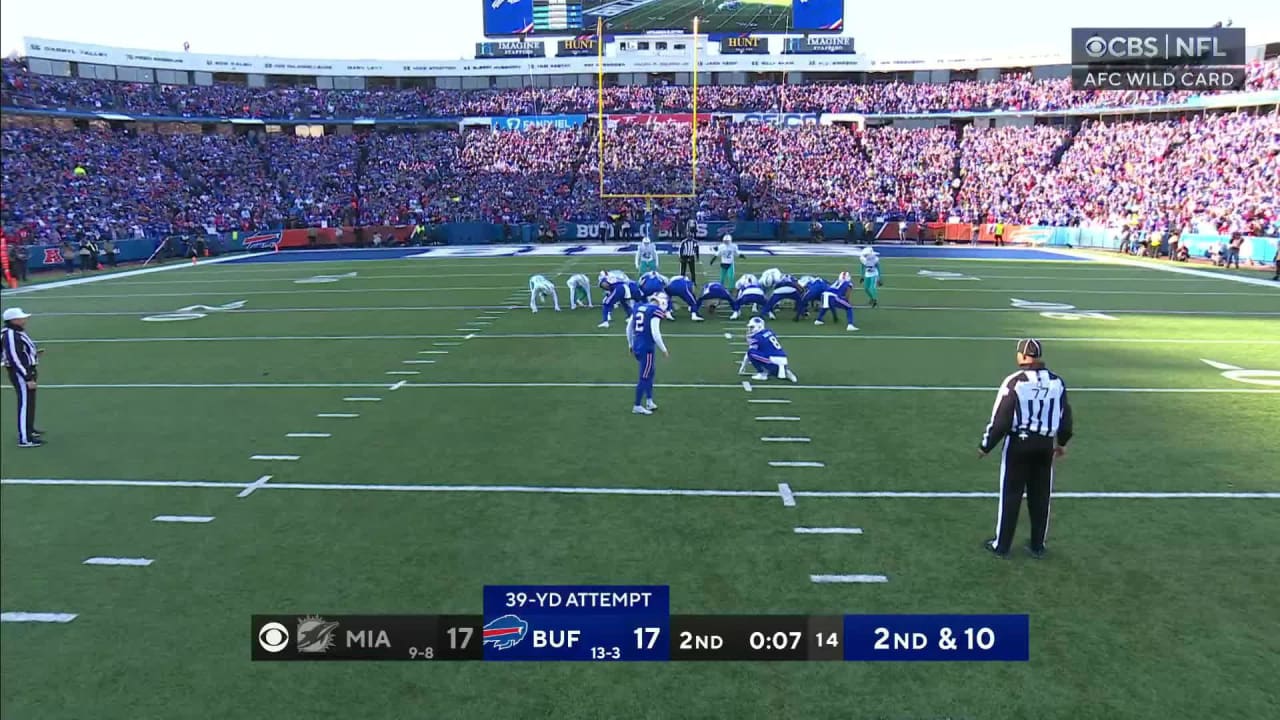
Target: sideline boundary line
{"x":699,"y":336}
{"x":262,"y":484}
{"x":115,"y":275}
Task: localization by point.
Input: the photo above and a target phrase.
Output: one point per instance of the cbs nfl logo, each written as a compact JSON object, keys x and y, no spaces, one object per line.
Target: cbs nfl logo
{"x":273,"y":637}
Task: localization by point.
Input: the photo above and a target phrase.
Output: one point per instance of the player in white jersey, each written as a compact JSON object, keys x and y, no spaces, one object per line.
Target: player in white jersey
{"x":646,"y":257}
{"x":579,"y":292}
{"x":770,"y":277}
{"x":728,"y":255}
{"x":871,"y":281}
{"x":539,"y":288}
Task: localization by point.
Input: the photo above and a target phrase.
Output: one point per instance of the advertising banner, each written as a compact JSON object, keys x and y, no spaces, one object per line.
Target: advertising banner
{"x":784,"y":119}
{"x":524,"y":122}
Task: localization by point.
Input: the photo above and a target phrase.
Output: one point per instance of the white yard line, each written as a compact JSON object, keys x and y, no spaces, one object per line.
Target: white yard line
{"x":1171,"y":268}
{"x":403,"y":372}
{"x":418,"y":362}
{"x":778,"y":418}
{"x":849,"y":578}
{"x":446,"y":344}
{"x":183,"y":518}
{"x":261,"y":484}
{"x":770,"y":401}
{"x":785,"y":439}
{"x":607,"y":385}
{"x":699,"y":336}
{"x":115,"y":276}
{"x":828,"y":531}
{"x":433,"y":352}
{"x":338,"y":415}
{"x":37,"y":617}
{"x":272,"y":458}
{"x":134,"y":561}
{"x":308,"y":435}
{"x":362,"y":399}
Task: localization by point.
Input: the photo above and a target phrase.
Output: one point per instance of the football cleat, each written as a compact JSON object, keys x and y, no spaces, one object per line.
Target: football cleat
{"x":760,"y":376}
{"x":734,"y":316}
{"x":772,"y":316}
{"x":604,"y":324}
{"x":650,"y":405}
{"x":818,"y":322}
{"x":851,"y":328}
{"x":695,"y":317}
{"x":792,"y":376}
{"x":641,"y":410}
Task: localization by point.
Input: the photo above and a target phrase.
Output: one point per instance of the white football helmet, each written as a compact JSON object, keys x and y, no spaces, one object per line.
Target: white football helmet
{"x":755,"y":325}
{"x":845,"y":277}
{"x":770,"y":277}
{"x":662,"y":301}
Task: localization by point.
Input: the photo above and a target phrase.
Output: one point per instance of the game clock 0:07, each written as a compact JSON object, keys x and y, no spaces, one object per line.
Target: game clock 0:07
{"x":781,"y":640}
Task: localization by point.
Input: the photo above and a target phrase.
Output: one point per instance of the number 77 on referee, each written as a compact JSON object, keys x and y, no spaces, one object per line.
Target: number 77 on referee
{"x":1033,"y":418}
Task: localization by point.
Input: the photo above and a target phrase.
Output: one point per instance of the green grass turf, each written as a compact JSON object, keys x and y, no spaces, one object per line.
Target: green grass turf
{"x":1146,"y":608}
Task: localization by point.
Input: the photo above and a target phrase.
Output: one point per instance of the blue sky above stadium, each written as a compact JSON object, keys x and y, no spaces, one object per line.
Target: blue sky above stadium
{"x":448,"y":29}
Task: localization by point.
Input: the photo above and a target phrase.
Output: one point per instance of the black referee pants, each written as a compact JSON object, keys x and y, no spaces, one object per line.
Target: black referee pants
{"x":26,"y":407}
{"x":1026,"y":467}
{"x":688,"y":267}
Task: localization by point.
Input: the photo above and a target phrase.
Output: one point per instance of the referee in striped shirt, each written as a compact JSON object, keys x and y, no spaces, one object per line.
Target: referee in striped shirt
{"x":20,"y":357}
{"x":689,"y":258}
{"x":1033,"y":418}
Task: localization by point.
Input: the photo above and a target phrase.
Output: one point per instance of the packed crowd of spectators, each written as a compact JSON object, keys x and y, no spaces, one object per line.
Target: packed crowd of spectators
{"x":1017,"y":91}
{"x":1205,"y":173}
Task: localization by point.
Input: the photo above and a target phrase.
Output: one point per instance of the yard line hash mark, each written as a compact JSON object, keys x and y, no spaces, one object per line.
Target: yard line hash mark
{"x":183,"y":518}
{"x":849,"y":578}
{"x":418,"y":362}
{"x":786,"y":439}
{"x":828,"y":531}
{"x":398,"y":385}
{"x":255,"y":485}
{"x":308,"y":435}
{"x":788,"y":497}
{"x":403,"y":372}
{"x":37,"y":617}
{"x":778,"y":418}
{"x":362,"y":399}
{"x":770,"y":401}
{"x":289,"y":458}
{"x":796,"y":464}
{"x":337,"y":415}
{"x":135,"y":562}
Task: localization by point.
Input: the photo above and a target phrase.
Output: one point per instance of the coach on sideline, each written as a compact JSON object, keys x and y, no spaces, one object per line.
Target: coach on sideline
{"x":20,"y":358}
{"x":1033,"y":418}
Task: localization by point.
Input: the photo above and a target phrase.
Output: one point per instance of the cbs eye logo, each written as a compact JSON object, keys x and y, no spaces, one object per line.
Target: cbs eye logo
{"x":1095,"y":46}
{"x":273,"y":637}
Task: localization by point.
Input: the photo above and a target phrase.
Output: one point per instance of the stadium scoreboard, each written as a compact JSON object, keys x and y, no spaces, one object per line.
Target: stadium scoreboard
{"x":633,"y":623}
{"x":509,"y":18}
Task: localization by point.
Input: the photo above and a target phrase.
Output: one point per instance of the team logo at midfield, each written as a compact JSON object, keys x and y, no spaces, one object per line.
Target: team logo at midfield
{"x":505,"y":632}
{"x":315,"y":634}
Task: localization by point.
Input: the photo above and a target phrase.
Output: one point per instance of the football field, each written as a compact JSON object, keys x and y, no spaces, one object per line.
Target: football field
{"x":389,"y":436}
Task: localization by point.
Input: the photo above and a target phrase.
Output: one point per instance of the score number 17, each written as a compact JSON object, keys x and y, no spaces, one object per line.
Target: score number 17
{"x":647,"y":637}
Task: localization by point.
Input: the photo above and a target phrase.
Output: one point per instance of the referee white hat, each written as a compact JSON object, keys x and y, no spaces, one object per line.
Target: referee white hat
{"x":15,"y":313}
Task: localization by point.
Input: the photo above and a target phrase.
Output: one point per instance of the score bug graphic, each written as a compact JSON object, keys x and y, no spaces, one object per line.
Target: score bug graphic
{"x":505,"y":632}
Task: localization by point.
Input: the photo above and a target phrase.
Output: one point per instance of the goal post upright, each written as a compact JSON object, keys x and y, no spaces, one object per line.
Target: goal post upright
{"x":600,"y":125}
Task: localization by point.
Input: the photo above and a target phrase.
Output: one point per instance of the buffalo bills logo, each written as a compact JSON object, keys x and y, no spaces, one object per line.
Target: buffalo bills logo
{"x":505,"y":632}
{"x":262,"y":242}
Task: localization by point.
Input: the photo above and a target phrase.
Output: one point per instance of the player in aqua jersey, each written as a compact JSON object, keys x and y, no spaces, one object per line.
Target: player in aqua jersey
{"x":622,"y":291}
{"x":683,"y":288}
{"x":837,"y":296}
{"x":749,"y":293}
{"x":644,"y":336}
{"x":785,"y":287}
{"x":811,"y":289}
{"x":652,"y":283}
{"x":714,"y":291}
{"x":539,"y":288}
{"x":646,"y":257}
{"x":727,"y":254}
{"x":871,"y":274}
{"x":579,"y":292}
{"x":764,"y":351}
